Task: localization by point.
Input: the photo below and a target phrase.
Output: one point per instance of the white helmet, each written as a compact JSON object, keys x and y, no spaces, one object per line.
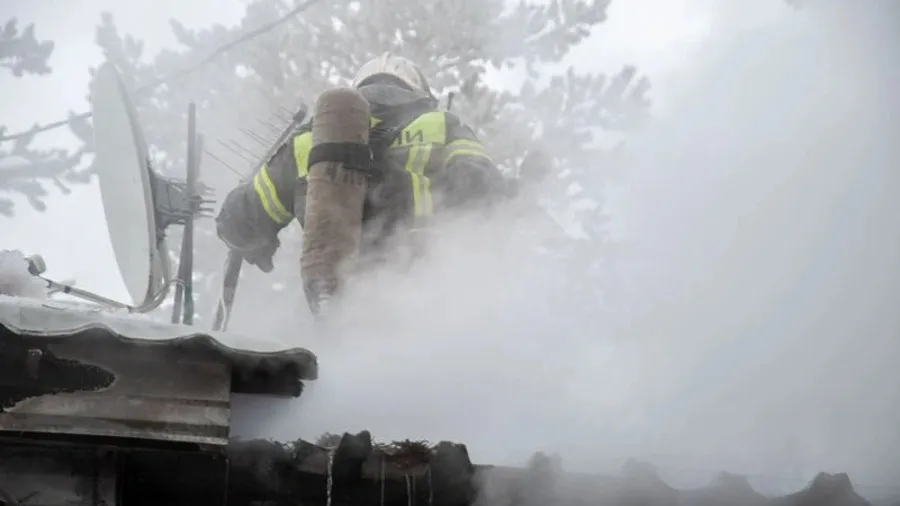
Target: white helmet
{"x":397,"y":66}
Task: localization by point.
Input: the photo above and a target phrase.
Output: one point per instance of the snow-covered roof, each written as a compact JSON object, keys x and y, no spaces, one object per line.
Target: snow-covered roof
{"x":259,"y":366}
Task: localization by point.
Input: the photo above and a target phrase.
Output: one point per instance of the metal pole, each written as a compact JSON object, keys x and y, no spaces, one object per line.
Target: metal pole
{"x":230,"y":277}
{"x":193,"y":172}
{"x":184,"y":264}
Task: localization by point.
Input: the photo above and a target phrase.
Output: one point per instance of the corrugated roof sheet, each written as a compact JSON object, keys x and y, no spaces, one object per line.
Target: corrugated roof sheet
{"x":259,"y":366}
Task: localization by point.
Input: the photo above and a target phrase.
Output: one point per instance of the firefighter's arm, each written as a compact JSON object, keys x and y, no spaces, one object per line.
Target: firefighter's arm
{"x":467,"y":175}
{"x":255,"y":211}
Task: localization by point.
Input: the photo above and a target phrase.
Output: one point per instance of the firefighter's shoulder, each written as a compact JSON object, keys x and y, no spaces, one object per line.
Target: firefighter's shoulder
{"x":462,"y":141}
{"x":458,"y":129}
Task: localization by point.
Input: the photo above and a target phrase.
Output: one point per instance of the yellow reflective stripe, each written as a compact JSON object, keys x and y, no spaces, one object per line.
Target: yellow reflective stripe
{"x":302,"y":145}
{"x":279,"y":207}
{"x":464,"y":147}
{"x":468,"y":152}
{"x":465,"y":143}
{"x":421,"y":137}
{"x":419,"y":154}
{"x":265,"y":190}
{"x":429,"y":205}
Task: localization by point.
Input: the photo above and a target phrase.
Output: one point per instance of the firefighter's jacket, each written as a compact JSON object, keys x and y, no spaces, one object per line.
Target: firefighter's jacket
{"x":433,"y":163}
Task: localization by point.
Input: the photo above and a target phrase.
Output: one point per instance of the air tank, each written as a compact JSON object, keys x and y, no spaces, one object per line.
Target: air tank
{"x":336,"y":192}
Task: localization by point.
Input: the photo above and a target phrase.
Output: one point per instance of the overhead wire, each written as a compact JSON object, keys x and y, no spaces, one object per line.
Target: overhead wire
{"x":175,"y":75}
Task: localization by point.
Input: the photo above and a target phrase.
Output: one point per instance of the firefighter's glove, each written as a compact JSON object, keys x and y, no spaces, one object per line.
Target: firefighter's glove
{"x":258,"y":253}
{"x":262,"y":256}
{"x":255,"y":243}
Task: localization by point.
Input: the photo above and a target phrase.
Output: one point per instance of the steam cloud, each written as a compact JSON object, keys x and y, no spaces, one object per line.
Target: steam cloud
{"x":762,"y":250}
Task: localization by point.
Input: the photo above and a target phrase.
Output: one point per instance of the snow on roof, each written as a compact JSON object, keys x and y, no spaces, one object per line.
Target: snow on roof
{"x":250,"y":357}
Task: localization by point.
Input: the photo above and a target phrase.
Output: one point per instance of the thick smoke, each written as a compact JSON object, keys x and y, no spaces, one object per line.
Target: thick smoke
{"x":765,"y":227}
{"x":762,"y":246}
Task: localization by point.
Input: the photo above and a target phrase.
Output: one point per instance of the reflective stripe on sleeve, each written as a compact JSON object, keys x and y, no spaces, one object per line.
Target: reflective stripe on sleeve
{"x":268,"y":197}
{"x":464,"y":147}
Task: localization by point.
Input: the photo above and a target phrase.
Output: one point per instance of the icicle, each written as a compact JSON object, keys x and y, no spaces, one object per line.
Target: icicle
{"x":381,"y":473}
{"x":329,"y":485}
{"x":409,"y":497}
{"x":430,"y":487}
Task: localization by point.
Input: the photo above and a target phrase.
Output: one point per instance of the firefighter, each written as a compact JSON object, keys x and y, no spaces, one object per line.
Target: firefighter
{"x":425,"y":161}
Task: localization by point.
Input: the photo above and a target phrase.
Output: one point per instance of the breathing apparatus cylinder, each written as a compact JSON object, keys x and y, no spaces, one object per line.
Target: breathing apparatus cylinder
{"x":339,"y":166}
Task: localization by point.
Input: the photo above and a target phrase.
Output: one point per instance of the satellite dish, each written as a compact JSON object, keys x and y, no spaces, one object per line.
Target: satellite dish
{"x":123,"y":171}
{"x":139,"y":204}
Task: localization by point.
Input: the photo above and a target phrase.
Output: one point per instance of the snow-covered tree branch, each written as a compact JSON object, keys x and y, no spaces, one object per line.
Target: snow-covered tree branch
{"x":23,"y":167}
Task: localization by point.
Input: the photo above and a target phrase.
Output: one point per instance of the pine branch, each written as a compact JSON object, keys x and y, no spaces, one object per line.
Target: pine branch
{"x":21,"y":52}
{"x":22,"y":167}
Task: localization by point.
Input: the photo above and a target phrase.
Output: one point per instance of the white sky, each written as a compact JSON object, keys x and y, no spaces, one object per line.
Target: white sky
{"x":658,"y":35}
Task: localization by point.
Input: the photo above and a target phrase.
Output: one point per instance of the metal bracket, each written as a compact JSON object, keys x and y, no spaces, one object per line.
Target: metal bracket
{"x":173,"y":204}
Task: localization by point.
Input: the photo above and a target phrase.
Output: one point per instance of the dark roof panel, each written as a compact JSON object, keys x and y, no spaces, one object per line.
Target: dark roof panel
{"x":363,"y":472}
